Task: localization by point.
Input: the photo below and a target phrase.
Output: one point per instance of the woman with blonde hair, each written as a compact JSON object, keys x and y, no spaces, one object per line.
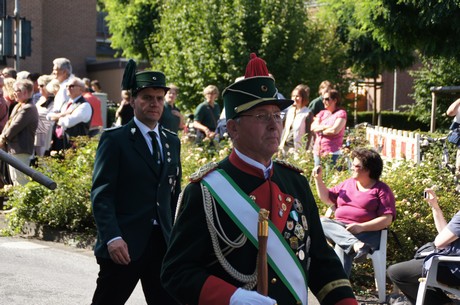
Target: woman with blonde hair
{"x":48,"y":87}
{"x":298,"y":120}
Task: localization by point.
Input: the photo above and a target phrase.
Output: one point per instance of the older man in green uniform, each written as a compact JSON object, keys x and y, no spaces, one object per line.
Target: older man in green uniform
{"x":136,"y":183}
{"x":213,"y":250}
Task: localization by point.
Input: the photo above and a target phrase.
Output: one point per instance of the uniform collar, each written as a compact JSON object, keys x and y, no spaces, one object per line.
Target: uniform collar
{"x":250,"y":166}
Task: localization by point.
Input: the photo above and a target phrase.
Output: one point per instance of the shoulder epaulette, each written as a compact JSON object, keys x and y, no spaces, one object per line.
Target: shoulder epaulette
{"x":112,"y":128}
{"x":203,"y":171}
{"x":289,"y":165}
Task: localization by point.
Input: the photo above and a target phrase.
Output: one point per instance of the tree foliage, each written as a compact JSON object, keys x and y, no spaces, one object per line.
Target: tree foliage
{"x":131,"y":23}
{"x":198,"y":46}
{"x":434,"y":72}
{"x":430,"y":26}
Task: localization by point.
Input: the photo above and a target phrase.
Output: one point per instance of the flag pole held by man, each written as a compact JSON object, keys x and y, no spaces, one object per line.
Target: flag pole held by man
{"x":213,"y":250}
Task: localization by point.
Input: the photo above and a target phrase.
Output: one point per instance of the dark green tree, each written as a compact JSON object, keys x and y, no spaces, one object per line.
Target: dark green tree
{"x":131,"y":23}
{"x":366,"y":57}
{"x":430,"y":26}
{"x":209,"y":42}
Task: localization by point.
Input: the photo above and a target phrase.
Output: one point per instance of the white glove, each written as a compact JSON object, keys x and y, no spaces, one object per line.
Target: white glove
{"x":247,"y":297}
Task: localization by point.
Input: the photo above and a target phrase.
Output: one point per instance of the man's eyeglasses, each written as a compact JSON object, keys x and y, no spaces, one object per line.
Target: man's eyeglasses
{"x":327,"y":99}
{"x":266,"y":117}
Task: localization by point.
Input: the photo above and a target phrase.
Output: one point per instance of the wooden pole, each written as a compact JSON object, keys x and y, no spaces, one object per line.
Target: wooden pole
{"x":262,"y":267}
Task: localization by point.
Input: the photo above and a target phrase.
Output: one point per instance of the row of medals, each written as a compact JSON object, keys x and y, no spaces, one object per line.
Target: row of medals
{"x":295,"y":229}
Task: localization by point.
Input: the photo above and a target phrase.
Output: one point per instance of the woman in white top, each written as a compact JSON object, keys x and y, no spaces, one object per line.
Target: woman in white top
{"x":296,"y":132}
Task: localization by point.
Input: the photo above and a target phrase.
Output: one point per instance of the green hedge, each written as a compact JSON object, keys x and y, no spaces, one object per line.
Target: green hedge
{"x":395,"y":120}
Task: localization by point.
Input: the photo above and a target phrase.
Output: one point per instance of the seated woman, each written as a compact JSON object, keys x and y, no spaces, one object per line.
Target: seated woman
{"x":298,"y":121}
{"x":329,"y":126}
{"x":363,"y":206}
{"x":405,"y":275}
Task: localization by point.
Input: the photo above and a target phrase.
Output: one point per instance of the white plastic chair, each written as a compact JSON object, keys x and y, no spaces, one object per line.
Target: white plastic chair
{"x":431,"y":279}
{"x":379,"y":262}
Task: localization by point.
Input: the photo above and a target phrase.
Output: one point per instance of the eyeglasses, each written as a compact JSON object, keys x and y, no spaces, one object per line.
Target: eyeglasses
{"x":71,"y":86}
{"x":41,"y":86}
{"x":327,"y":99}
{"x":266,"y":117}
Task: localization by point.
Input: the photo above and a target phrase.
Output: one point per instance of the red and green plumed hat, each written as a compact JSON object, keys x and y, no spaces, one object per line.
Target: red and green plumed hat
{"x":256,"y":89}
{"x":136,"y":81}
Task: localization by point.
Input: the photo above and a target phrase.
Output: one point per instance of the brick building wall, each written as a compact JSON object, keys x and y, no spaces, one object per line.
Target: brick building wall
{"x":60,"y":28}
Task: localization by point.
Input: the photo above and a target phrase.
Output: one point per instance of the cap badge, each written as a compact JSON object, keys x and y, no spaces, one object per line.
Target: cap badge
{"x":154,"y":78}
{"x":264,"y":88}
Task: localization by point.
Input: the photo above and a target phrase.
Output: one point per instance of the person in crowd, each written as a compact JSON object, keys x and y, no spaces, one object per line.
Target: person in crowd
{"x":363,"y":206}
{"x":453,"y":111}
{"x":9,"y":72}
{"x":23,"y":75}
{"x":171,"y":118}
{"x":406,"y":275}
{"x":62,"y":71}
{"x":136,"y":184}
{"x":329,"y":126}
{"x":206,"y":114}
{"x":3,"y":106}
{"x":74,"y":117}
{"x":19,"y":132}
{"x":213,"y":250}
{"x":87,"y":82}
{"x":316,"y":105}
{"x":48,"y":86}
{"x":9,"y":94}
{"x":296,"y":132}
{"x":97,"y":124}
{"x":96,"y":86}
{"x":33,"y":77}
{"x":125,"y":111}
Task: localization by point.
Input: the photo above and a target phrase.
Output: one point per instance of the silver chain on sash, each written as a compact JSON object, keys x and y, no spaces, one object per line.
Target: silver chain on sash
{"x":209,"y":203}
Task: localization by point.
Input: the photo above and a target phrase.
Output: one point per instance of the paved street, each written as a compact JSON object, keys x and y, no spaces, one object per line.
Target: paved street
{"x":46,"y":273}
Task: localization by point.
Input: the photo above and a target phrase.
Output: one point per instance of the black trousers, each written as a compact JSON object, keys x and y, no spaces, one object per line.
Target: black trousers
{"x":115,"y":282}
{"x":405,"y":275}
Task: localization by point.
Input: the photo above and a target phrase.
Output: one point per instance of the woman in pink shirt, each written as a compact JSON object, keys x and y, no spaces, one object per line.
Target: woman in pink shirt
{"x":363,"y":207}
{"x":329,"y":126}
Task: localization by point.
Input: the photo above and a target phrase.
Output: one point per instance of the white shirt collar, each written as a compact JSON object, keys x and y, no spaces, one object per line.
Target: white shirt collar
{"x":265,"y":170}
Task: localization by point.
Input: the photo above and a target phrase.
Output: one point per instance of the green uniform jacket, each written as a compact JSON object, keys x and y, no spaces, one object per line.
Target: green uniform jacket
{"x":192,"y":274}
{"x":127,"y":194}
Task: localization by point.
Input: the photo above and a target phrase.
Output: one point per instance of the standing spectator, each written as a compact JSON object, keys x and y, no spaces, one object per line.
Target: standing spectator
{"x":33,"y":77}
{"x":19,"y":132}
{"x":49,"y":86}
{"x":23,"y":75}
{"x":363,"y":206}
{"x":317,"y":104}
{"x":329,"y":127}
{"x":9,"y":94}
{"x":206,"y":114}
{"x":96,"y":124}
{"x":74,"y":117}
{"x":62,"y":71}
{"x":171,"y":118}
{"x":3,"y":106}
{"x":406,"y":275}
{"x":9,"y":72}
{"x":453,"y":110}
{"x":296,"y":132}
{"x":125,"y":111}
{"x":218,"y":217}
{"x":96,"y":86}
{"x":136,"y":183}
{"x":87,"y":82}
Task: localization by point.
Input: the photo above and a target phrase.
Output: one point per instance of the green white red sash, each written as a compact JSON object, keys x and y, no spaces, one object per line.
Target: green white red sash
{"x":244,"y":212}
